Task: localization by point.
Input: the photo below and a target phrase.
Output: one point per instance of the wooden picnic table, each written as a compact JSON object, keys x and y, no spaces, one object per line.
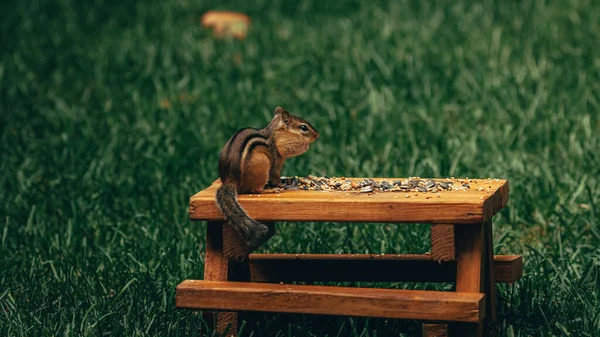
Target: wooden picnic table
{"x":462,"y":251}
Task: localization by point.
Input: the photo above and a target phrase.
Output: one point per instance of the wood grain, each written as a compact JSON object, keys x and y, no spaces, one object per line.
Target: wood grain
{"x":455,"y":207}
{"x":216,"y":268}
{"x":368,"y":268}
{"x":367,"y":302}
{"x":435,"y":330}
{"x":219,"y":267}
{"x":442,"y":242}
{"x":469,"y":258}
{"x":470,"y":276}
{"x":215,"y":263}
{"x":514,"y":272}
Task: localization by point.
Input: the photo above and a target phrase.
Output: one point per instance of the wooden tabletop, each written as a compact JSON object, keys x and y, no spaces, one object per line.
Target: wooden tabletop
{"x":479,"y":203}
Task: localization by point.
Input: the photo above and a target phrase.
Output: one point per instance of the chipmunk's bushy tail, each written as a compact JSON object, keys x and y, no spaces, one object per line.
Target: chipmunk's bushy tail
{"x":251,"y":231}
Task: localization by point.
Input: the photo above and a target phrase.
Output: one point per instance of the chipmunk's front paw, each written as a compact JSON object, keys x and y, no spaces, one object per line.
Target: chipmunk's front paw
{"x":275,"y":190}
{"x":275,"y":184}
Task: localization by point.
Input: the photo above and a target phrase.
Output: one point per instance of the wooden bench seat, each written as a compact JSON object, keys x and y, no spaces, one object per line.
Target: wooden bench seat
{"x":326,"y":300}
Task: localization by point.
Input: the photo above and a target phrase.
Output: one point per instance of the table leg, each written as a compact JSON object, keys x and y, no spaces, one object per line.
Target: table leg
{"x":442,"y":249}
{"x":216,"y":268}
{"x":226,"y":259}
{"x":435,"y":330}
{"x":442,"y":242}
{"x":470,"y":271}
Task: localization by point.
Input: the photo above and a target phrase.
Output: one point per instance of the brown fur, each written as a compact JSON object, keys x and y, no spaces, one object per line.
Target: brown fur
{"x":254,"y":175}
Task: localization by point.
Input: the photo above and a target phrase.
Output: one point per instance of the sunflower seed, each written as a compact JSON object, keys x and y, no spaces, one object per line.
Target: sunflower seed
{"x":413,"y":183}
{"x":386,"y":185}
{"x":445,"y":185}
{"x":429,"y":183}
{"x":366,"y":189}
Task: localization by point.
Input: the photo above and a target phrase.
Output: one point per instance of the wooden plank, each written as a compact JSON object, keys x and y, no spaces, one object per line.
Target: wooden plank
{"x":511,"y":268}
{"x":216,"y":268}
{"x":469,"y":258}
{"x":222,"y":266}
{"x":435,"y":330}
{"x":323,"y":300}
{"x":215,"y":263}
{"x":452,"y":207}
{"x":442,"y":242}
{"x":470,"y":265}
{"x":368,"y":268}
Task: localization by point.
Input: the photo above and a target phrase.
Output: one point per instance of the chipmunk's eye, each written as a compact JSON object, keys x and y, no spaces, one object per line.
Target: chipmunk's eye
{"x":303,"y":127}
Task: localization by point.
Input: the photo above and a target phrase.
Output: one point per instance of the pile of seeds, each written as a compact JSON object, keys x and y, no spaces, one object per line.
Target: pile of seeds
{"x":369,"y":185}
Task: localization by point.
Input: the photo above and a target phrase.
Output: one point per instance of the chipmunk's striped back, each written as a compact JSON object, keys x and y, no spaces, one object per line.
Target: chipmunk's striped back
{"x":237,"y":152}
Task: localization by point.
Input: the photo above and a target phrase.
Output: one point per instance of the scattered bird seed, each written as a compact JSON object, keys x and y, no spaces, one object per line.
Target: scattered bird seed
{"x":369,"y":185}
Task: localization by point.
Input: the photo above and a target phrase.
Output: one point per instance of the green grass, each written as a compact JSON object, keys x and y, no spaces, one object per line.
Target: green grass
{"x":97,"y":169}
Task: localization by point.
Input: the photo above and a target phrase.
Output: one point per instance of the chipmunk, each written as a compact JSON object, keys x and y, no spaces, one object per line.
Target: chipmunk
{"x":251,"y":159}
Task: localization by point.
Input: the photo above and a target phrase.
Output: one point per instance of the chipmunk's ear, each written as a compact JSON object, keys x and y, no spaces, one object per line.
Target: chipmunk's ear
{"x":285,"y":116}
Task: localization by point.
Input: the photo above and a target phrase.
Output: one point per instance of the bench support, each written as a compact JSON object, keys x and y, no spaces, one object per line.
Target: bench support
{"x":474,"y":261}
{"x":475,"y":266}
{"x":369,"y":268}
{"x":327,"y":300}
{"x":217,"y":268}
{"x":226,"y":260}
{"x":442,"y":243}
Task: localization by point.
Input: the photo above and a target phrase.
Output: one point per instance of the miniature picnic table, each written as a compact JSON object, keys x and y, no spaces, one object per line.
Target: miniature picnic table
{"x":461,"y":252}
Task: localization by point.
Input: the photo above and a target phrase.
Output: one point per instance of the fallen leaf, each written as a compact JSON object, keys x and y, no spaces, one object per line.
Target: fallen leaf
{"x":226,"y":24}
